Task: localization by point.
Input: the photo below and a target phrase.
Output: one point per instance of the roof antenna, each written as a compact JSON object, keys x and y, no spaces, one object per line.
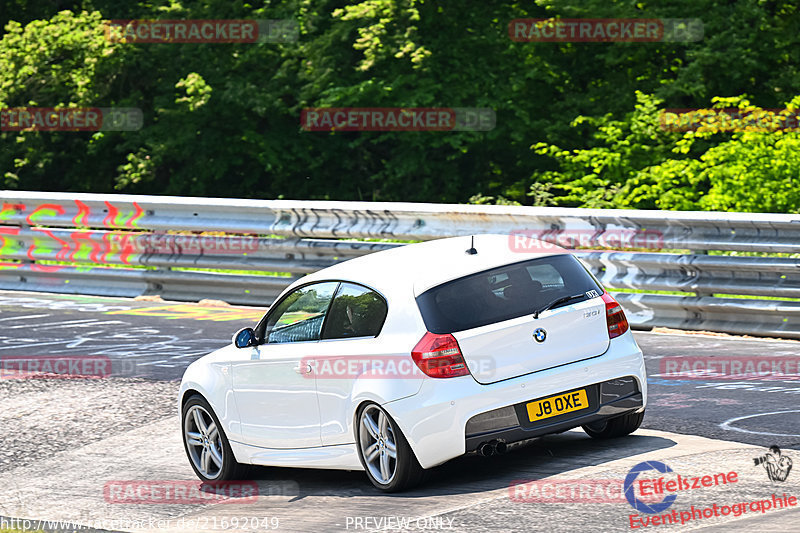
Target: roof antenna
{"x":472,"y":250}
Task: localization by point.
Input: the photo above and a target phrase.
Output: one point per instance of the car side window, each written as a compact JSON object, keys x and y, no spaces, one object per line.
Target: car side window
{"x":356,"y":312}
{"x":299,"y":316}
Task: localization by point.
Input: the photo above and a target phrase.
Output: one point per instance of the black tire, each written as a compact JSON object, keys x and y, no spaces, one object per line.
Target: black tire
{"x":611,"y":428}
{"x":231,"y":470}
{"x":408,"y":472}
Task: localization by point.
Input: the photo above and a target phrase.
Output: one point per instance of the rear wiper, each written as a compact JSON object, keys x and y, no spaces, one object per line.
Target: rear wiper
{"x":556,"y":302}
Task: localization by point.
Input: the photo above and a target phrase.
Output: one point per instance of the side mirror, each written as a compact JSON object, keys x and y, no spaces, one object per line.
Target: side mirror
{"x":244,"y":337}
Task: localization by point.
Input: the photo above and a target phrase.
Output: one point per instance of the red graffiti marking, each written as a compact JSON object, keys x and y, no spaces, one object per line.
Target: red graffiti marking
{"x":77,"y":237}
{"x":83,"y":212}
{"x":8,"y":231}
{"x":131,"y":222}
{"x":112,"y":214}
{"x":60,"y":254}
{"x":128,"y":248}
{"x":39,"y":212}
{"x":8,"y":208}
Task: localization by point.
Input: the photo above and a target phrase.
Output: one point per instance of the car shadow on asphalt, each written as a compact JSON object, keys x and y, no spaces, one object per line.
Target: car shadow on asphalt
{"x":531,"y":460}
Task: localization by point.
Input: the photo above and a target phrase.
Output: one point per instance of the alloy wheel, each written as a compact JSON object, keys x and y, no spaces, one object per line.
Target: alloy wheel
{"x":203,"y":441}
{"x":378,"y":444}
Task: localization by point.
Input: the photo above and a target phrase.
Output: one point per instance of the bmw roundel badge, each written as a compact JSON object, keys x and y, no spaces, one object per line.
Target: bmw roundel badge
{"x":539,"y":335}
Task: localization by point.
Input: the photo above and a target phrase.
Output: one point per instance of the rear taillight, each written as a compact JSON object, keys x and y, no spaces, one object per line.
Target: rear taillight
{"x":439,"y":356}
{"x":615,"y":317}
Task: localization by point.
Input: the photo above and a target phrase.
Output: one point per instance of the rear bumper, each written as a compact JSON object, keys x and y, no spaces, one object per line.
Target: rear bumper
{"x":435,"y":420}
{"x":599,"y":410}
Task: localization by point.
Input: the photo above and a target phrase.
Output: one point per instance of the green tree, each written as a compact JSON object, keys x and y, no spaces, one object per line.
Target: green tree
{"x":638,"y":163}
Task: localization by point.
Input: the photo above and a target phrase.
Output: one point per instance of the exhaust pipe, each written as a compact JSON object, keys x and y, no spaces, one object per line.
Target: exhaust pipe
{"x":493,"y":447}
{"x":486,"y":449}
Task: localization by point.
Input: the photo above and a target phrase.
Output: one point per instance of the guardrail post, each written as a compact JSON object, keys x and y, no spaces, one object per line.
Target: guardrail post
{"x":700,"y":292}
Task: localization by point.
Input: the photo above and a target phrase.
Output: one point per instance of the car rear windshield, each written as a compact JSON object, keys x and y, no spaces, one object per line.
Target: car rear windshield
{"x":504,"y":293}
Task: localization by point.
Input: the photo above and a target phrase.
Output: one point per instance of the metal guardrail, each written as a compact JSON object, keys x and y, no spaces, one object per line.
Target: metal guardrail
{"x":699,"y":274}
{"x":120,"y":245}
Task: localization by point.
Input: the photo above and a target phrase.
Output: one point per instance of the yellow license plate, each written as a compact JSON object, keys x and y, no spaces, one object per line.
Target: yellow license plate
{"x":557,"y":405}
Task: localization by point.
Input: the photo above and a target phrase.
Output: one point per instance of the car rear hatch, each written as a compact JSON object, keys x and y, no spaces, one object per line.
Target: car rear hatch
{"x":499,"y":319}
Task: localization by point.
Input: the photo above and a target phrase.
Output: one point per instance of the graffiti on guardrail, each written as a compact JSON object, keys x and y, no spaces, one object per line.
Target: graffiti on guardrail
{"x":113,"y":216}
{"x":131,"y":248}
{"x":37,"y":229}
{"x":128,"y":248}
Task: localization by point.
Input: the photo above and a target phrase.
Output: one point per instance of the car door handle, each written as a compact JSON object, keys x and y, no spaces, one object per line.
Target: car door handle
{"x":303,"y":369}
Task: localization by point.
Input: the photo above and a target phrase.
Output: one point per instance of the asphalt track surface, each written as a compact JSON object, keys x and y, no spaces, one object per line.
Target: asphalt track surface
{"x":61,"y":440}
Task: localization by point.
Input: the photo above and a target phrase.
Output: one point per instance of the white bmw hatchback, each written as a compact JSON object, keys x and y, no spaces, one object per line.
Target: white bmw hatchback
{"x":398,"y":361}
